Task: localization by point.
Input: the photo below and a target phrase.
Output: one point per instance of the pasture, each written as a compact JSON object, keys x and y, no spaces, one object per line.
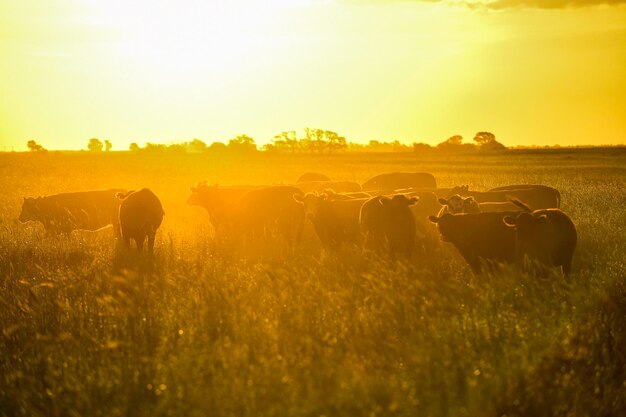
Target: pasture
{"x":204,"y":331}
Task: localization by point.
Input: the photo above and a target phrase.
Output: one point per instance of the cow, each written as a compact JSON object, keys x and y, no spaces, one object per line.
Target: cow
{"x":320,"y":186}
{"x":546,"y":236}
{"x":63,"y":213}
{"x":312,"y":176}
{"x":140,"y":215}
{"x":336,"y":222}
{"x":388,"y":225}
{"x":267,"y":211}
{"x":219,"y":202}
{"x":479,"y":237}
{"x":457,"y":204}
{"x":400,"y":180}
{"x":536,"y":198}
{"x":549,"y":192}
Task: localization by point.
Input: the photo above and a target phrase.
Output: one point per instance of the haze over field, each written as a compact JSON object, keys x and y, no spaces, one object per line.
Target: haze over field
{"x":532,"y":72}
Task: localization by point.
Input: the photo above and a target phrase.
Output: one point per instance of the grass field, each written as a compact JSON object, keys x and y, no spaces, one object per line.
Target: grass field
{"x":201,"y":331}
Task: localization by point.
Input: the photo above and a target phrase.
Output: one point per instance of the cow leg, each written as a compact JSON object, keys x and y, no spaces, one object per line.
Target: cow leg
{"x":139,"y":242}
{"x":151,"y":243}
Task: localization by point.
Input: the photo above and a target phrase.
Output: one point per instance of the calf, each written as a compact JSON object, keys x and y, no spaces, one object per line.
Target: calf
{"x":140,"y":216}
{"x":546,"y":236}
{"x":479,"y":237}
{"x":388,"y":224}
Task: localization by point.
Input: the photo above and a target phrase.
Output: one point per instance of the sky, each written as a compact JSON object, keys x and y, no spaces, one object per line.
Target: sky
{"x":533,"y":72}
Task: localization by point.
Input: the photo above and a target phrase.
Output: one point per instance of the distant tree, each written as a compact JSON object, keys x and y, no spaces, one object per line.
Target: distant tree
{"x":95,"y":145}
{"x":487,"y":141}
{"x":335,"y":142}
{"x":155,"y":147}
{"x":455,"y":144}
{"x":134,"y":147}
{"x":107,"y":145}
{"x":242,"y":143}
{"x":421,"y":147}
{"x":197,"y":146}
{"x":217,"y":147}
{"x":35,"y":147}
{"x":286,"y":141}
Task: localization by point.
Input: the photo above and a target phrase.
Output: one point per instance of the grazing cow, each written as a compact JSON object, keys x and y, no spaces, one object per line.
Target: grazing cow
{"x":320,"y":186}
{"x":62,"y":213}
{"x":549,"y":192}
{"x":388,"y":224}
{"x":312,"y":176}
{"x":400,"y":180}
{"x":219,"y":202}
{"x":479,"y":237}
{"x":536,"y":198}
{"x":140,"y":216}
{"x":335,"y":196}
{"x":336,"y":222}
{"x":267,"y":211}
{"x":457,"y":204}
{"x":546,"y":236}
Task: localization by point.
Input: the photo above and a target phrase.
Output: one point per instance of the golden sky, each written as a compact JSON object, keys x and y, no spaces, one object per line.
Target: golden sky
{"x":530,"y":71}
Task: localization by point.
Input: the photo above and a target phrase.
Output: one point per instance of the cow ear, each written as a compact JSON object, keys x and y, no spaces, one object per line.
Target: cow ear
{"x":510,"y":221}
{"x":433,"y":219}
{"x":298,"y":197}
{"x":443,"y":201}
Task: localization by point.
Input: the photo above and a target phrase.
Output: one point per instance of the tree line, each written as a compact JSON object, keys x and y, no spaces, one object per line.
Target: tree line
{"x":314,"y":141}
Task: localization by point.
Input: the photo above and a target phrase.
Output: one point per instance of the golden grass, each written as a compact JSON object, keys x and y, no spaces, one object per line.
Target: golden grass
{"x":201,"y":330}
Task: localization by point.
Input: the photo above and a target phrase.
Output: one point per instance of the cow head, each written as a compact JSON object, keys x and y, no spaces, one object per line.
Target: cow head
{"x":312,"y":203}
{"x":446,"y":226}
{"x":30,"y":210}
{"x":457,"y":204}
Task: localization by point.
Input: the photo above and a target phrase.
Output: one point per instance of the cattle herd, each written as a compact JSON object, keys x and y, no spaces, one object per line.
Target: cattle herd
{"x":390,"y":215}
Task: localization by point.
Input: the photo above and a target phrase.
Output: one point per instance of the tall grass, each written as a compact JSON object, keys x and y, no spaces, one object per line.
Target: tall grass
{"x":201,"y":330}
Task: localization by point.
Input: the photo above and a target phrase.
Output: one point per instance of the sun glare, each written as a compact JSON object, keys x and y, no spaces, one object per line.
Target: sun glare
{"x":193,"y":35}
